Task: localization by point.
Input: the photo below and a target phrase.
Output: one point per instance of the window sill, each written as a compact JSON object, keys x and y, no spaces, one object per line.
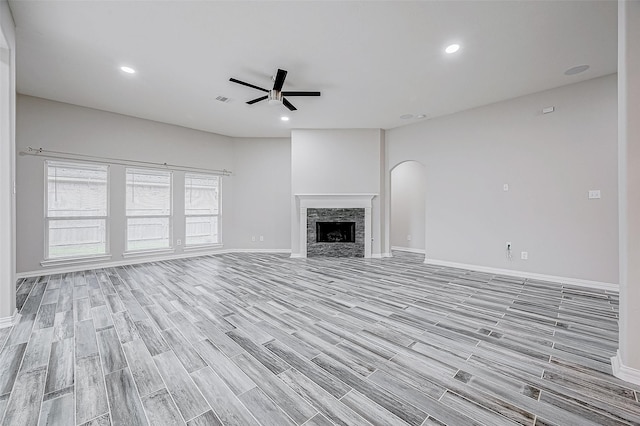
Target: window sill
{"x":141,"y":253}
{"x":203,"y":247}
{"x":74,"y":260}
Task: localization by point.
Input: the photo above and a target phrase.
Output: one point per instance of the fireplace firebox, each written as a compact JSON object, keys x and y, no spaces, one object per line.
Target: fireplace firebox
{"x":335,"y":232}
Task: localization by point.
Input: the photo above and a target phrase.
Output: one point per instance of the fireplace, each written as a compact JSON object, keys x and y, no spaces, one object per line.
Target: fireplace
{"x":348,"y":214}
{"x":335,"y":232}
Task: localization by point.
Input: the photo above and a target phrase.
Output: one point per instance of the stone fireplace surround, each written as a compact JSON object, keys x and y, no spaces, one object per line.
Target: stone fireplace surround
{"x":334,"y":201}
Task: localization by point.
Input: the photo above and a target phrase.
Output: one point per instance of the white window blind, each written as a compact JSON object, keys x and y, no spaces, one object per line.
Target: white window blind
{"x":77,"y":210}
{"x":202,"y":209}
{"x":148,"y":209}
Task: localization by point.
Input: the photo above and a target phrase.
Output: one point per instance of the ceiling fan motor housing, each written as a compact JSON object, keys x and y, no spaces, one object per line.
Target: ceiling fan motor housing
{"x":275,"y":97}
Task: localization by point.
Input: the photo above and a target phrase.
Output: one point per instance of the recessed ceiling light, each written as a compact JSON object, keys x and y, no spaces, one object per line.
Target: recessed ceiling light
{"x":420,"y":116}
{"x":576,"y":70}
{"x":452,"y":48}
{"x":284,"y":118}
{"x":128,"y":70}
{"x":406,"y":116}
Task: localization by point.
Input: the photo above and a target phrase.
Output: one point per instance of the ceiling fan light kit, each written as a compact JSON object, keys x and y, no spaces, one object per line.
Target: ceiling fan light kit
{"x":275,"y":96}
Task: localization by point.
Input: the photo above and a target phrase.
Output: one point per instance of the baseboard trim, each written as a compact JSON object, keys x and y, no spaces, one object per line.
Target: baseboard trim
{"x":622,"y":372}
{"x":521,"y":274}
{"x":9,"y":321}
{"x":387,"y":255}
{"x":134,"y":261}
{"x":376,"y":256}
{"x":408,"y":249}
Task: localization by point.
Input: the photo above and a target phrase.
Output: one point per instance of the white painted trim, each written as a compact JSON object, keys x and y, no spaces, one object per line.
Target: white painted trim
{"x":9,"y":321}
{"x":285,"y":251}
{"x":297,"y":256}
{"x":74,"y":260}
{"x":133,"y":261}
{"x":144,"y":253}
{"x":387,"y":255}
{"x":376,"y":256}
{"x":621,"y":371}
{"x":521,"y":274}
{"x":408,"y":249}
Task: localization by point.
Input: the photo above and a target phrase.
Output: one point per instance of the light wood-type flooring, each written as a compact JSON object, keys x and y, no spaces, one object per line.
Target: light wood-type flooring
{"x":244,"y":339}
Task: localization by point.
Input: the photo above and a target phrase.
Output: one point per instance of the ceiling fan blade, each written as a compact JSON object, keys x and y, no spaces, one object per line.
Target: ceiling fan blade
{"x":247,"y":84}
{"x":279,"y":82}
{"x":261,"y":98}
{"x":300,"y":93}
{"x":288,"y":105}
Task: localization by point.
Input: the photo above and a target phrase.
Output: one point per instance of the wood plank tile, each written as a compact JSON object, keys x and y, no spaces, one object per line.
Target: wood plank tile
{"x":329,"y":406}
{"x":46,"y":316}
{"x":36,"y":355}
{"x":10,"y":360}
{"x":143,"y":369}
{"x":230,"y":373}
{"x":224,"y":402}
{"x":122,"y":394}
{"x":288,"y":401}
{"x":161,"y":410}
{"x":85,"y":339}
{"x":183,"y":390}
{"x":266,"y":358}
{"x":91,"y":395}
{"x":110,"y":351}
{"x":155,"y":343}
{"x":321,"y":377}
{"x":23,"y":407}
{"x":263,"y":409}
{"x":207,"y":419}
{"x":189,"y":358}
{"x":58,"y":411}
{"x":60,"y":373}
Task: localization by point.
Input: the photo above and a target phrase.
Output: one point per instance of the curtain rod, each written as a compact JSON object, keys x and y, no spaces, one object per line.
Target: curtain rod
{"x":41,"y":152}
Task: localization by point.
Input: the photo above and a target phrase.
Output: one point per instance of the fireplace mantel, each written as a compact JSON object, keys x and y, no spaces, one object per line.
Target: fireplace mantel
{"x":334,"y":201}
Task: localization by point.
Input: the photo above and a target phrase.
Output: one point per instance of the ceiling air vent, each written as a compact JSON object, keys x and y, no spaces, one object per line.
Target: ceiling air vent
{"x":222,"y":99}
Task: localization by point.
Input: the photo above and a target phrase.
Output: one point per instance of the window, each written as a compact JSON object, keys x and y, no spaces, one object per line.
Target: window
{"x":201,"y":209}
{"x":76,"y":216}
{"x":148,"y":209}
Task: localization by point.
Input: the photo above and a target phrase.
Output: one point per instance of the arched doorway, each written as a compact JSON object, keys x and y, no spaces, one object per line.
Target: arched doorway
{"x":408,"y":188}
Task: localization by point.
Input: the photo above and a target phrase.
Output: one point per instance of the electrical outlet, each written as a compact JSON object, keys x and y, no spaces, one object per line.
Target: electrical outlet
{"x":253,"y":238}
{"x":408,"y":237}
{"x":505,"y":187}
{"x":594,"y":194}
{"x":179,"y":242}
{"x":524,"y":255}
{"x":261,"y":237}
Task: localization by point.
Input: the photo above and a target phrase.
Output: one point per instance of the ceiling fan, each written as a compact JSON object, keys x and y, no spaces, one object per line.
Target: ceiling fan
{"x":276,"y":95}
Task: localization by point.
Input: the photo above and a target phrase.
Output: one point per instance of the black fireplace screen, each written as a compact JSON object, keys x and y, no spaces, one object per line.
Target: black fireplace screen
{"x":335,"y":232}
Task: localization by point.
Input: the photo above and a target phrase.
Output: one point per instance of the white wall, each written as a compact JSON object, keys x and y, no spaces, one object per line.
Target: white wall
{"x":63,"y":127}
{"x":7,"y":162}
{"x":550,"y":162}
{"x":262,"y":190}
{"x":408,"y":186}
{"x":337,"y":162}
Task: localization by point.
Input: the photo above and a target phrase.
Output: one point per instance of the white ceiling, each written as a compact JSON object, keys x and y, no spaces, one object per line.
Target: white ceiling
{"x":373,"y":61}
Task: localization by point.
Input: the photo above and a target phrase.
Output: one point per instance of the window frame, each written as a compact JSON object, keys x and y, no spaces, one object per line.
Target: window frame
{"x":218,"y":215}
{"x":170,"y":248}
{"x":48,"y":219}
